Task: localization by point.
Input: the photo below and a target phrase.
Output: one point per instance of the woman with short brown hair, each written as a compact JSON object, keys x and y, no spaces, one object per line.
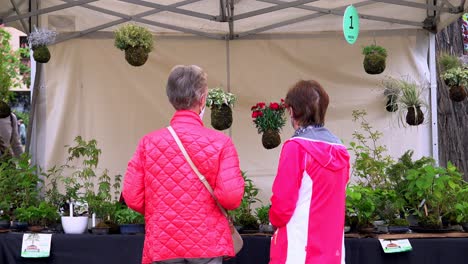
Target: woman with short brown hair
{"x":309,"y":191}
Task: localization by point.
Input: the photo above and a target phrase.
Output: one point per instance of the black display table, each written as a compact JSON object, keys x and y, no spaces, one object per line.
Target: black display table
{"x":126,"y":249}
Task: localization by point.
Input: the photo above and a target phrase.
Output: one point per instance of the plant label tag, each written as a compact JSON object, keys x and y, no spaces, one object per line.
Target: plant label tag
{"x":395,"y":246}
{"x":36,"y":245}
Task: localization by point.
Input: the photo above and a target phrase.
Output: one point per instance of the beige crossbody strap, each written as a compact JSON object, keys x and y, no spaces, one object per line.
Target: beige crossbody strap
{"x":200,"y":176}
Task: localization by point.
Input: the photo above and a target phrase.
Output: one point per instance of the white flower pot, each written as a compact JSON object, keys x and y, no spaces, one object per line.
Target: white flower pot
{"x":74,"y":224}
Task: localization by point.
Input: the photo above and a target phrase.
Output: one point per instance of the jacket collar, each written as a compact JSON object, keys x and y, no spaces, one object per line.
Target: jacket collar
{"x":186,"y":117}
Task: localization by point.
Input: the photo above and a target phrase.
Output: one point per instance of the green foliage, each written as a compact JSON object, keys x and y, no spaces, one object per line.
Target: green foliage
{"x":456,"y":77}
{"x":433,"y":191}
{"x":360,"y":204}
{"x":461,"y":206}
{"x":40,"y":215}
{"x":374,"y":49}
{"x":270,"y":117}
{"x":218,"y":97}
{"x":447,"y":62}
{"x":128,"y":216}
{"x":371,"y":160}
{"x":410,"y":94}
{"x":243,"y":214}
{"x":131,"y":35}
{"x":24,"y":116}
{"x":263,"y":214}
{"x":10,"y":63}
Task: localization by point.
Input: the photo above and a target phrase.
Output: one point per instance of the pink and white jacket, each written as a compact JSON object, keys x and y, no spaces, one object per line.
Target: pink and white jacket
{"x":308,"y":202}
{"x":182,"y":219}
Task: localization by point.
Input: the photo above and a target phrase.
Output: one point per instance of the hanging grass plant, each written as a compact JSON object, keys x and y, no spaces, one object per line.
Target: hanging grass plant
{"x":411,"y":101}
{"x":392,"y":92}
{"x":136,"y":41}
{"x":374,"y":59}
{"x":220,"y":103}
{"x":39,"y":40}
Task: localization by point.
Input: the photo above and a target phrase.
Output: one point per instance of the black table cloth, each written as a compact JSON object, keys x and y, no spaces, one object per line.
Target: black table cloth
{"x":126,"y":249}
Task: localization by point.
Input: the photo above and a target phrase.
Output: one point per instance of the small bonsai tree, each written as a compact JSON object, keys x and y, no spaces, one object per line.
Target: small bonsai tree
{"x":374,"y":59}
{"x":136,"y":41}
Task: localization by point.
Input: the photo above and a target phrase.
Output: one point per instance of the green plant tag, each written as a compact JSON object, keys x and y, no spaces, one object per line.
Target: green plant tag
{"x":36,"y":245}
{"x":395,"y":246}
{"x":351,"y":24}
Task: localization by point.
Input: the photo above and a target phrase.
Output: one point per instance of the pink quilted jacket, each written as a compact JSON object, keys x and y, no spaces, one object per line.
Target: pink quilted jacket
{"x":182,"y":219}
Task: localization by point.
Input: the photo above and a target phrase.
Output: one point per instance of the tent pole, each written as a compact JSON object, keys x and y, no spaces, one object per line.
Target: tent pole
{"x":32,"y":114}
{"x":433,"y":87}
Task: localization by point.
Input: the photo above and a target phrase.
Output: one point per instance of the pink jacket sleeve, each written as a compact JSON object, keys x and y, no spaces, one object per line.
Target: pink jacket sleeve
{"x":134,"y":186}
{"x":287,"y":183}
{"x":229,"y":187}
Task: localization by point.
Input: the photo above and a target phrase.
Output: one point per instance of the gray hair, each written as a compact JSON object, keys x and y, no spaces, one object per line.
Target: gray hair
{"x":186,"y":86}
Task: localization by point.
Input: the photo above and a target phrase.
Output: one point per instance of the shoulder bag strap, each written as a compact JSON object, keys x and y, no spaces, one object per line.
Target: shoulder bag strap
{"x":194,"y":168}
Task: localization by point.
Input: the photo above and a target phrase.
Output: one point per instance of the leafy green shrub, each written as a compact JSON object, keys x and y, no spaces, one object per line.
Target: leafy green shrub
{"x":131,"y":35}
{"x":128,"y":216}
{"x":374,"y":49}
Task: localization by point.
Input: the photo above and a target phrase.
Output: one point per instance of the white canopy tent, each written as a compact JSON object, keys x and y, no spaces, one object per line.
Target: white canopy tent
{"x":253,"y":48}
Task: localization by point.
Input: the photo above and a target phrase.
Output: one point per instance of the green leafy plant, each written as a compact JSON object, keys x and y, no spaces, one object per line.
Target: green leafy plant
{"x":217,"y":97}
{"x":360,"y":205}
{"x":270,"y":117}
{"x":42,"y":215}
{"x":243,"y":216}
{"x":374,"y":59}
{"x":10,"y":64}
{"x":371,"y":160}
{"x":128,"y":216}
{"x":411,"y":102}
{"x":456,"y":76}
{"x":374,"y":49}
{"x":263,"y":214}
{"x":447,"y":62}
{"x":131,"y":36}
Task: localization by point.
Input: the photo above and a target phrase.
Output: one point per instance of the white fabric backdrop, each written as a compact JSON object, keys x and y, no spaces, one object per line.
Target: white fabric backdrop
{"x":91,"y":91}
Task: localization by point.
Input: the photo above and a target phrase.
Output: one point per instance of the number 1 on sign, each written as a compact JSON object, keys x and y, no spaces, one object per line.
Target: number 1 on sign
{"x":351,"y":26}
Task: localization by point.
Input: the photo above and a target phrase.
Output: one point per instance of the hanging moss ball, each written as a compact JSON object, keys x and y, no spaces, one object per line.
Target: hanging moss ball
{"x":5,"y":110}
{"x":415,"y":116}
{"x":457,"y":93}
{"x":271,"y":139}
{"x":392,"y":105}
{"x":136,"y":56}
{"x":221,"y":117}
{"x":374,"y":63}
{"x":41,"y":54}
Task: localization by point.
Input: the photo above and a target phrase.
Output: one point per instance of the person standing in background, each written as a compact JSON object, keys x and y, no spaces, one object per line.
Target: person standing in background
{"x":10,"y":144}
{"x":309,"y":191}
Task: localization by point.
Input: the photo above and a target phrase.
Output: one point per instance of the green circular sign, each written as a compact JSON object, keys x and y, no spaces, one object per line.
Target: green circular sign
{"x":351,"y":24}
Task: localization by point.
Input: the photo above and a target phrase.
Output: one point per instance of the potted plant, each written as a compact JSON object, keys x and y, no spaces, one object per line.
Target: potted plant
{"x":37,"y":217}
{"x":136,"y":41}
{"x":220,"y":103}
{"x":360,"y":208}
{"x":263,"y":215}
{"x":411,"y":102}
{"x":447,"y":62}
{"x":374,"y":59}
{"x":457,"y":80}
{"x":243,"y":218}
{"x":39,"y":39}
{"x":461,"y":207}
{"x":269,"y":120}
{"x":432,"y":191}
{"x":130,"y":222}
{"x":392,"y":92}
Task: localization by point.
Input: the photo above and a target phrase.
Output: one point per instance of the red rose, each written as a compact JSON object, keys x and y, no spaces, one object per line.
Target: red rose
{"x":274,"y":106}
{"x":261,"y":104}
{"x":253,"y":107}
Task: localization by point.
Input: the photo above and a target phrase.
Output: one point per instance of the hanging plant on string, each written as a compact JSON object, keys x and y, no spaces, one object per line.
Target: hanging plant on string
{"x":411,"y":101}
{"x":220,"y":103}
{"x":374,"y":59}
{"x":457,"y":80}
{"x":269,"y":120}
{"x":392,"y":92}
{"x":39,"y":39}
{"x":136,"y":41}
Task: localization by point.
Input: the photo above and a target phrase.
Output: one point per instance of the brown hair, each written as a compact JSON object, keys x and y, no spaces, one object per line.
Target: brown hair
{"x":309,"y":103}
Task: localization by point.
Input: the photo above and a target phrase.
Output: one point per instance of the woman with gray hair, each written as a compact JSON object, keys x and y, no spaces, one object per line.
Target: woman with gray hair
{"x":183,"y":221}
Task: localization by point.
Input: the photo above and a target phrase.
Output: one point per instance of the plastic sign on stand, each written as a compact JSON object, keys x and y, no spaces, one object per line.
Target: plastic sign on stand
{"x":351,"y":24}
{"x":36,"y":245}
{"x":395,"y":246}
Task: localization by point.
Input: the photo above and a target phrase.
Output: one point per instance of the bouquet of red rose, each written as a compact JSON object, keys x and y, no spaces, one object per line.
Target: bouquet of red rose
{"x":269,"y":120}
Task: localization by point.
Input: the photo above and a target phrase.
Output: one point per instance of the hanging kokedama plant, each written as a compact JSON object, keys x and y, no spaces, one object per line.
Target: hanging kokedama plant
{"x":411,"y":101}
{"x":269,"y":120}
{"x":374,"y":59}
{"x":39,"y":39}
{"x":392,"y":92}
{"x":220,"y":103}
{"x":457,"y":80}
{"x":136,"y":41}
